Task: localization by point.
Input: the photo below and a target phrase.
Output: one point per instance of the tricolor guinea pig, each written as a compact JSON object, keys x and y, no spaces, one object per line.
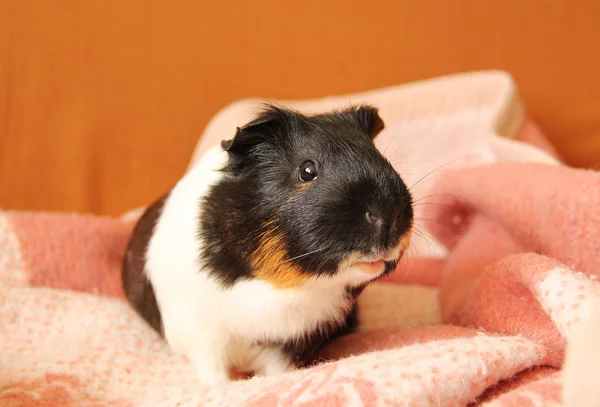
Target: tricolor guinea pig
{"x":256,"y":257}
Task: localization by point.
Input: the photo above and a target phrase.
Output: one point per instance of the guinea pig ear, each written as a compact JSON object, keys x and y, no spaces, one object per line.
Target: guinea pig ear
{"x":367,"y":118}
{"x":241,"y":142}
{"x":259,"y":130}
{"x":226,"y":144}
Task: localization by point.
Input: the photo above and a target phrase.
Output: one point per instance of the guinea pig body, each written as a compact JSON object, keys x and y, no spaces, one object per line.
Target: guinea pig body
{"x":256,"y":257}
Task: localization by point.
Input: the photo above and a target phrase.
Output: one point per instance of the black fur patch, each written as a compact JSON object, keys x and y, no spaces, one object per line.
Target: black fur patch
{"x":321,"y":222}
{"x":303,"y":352}
{"x":137,"y":288}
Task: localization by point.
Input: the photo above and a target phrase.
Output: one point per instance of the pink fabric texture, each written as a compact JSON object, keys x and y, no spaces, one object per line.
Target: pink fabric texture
{"x":485,"y":325}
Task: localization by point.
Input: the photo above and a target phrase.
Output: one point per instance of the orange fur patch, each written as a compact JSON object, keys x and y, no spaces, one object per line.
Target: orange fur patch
{"x":405,"y":240}
{"x":269,"y":262}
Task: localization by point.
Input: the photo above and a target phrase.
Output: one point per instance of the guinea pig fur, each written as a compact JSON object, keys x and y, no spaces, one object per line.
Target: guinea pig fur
{"x":255,"y":259}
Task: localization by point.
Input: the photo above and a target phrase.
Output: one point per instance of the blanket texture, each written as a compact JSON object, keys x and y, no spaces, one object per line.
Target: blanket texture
{"x":496,"y":304}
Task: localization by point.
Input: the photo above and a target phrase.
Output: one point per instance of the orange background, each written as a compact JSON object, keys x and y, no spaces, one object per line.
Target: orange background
{"x":102,"y":102}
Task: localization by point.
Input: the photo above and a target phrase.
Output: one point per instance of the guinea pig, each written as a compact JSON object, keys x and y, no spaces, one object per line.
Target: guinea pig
{"x":255,"y":259}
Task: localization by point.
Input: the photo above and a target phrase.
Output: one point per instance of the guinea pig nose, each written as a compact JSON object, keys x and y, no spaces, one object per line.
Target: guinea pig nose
{"x":374,"y":219}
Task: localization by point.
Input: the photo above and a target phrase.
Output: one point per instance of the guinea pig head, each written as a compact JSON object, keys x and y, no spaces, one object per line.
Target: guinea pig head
{"x":311,"y":197}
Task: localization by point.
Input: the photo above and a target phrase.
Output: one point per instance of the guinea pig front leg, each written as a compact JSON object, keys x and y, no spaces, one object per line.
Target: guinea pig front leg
{"x":271,"y":361}
{"x":205,"y":348}
{"x":210,"y":362}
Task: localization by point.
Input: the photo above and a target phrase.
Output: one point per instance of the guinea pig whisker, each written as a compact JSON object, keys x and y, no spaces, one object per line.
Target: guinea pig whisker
{"x":403,"y":268}
{"x":436,"y":169}
{"x":295,"y":258}
{"x":406,"y":143}
{"x":424,"y":237}
{"x":320,"y":265}
{"x":417,"y":232}
{"x":414,"y":256}
{"x":303,"y":255}
{"x":392,"y":139}
{"x":430,"y":220}
{"x":433,"y":195}
{"x":399,"y":160}
{"x":433,"y":203}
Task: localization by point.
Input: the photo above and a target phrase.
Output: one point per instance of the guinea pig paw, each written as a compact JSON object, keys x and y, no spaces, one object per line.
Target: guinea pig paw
{"x":272,"y":361}
{"x":210,"y":370}
{"x":208,"y":377}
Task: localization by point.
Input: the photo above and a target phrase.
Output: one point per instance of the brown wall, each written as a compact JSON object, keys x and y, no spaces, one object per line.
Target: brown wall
{"x":101,"y":102}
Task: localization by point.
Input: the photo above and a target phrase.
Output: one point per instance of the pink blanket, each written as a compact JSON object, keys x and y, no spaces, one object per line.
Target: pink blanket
{"x":485,"y":324}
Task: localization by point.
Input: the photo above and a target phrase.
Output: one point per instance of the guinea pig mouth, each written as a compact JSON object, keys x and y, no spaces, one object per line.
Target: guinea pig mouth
{"x":371,"y":267}
{"x":383,"y":264}
{"x":378,"y":266}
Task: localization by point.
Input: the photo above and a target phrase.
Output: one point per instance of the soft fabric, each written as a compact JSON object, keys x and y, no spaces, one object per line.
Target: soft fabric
{"x":498,"y":290}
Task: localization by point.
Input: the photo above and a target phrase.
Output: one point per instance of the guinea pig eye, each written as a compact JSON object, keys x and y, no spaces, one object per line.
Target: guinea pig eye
{"x":307,"y":171}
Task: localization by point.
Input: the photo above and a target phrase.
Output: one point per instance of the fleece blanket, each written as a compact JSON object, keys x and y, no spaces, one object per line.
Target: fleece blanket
{"x":496,"y":304}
